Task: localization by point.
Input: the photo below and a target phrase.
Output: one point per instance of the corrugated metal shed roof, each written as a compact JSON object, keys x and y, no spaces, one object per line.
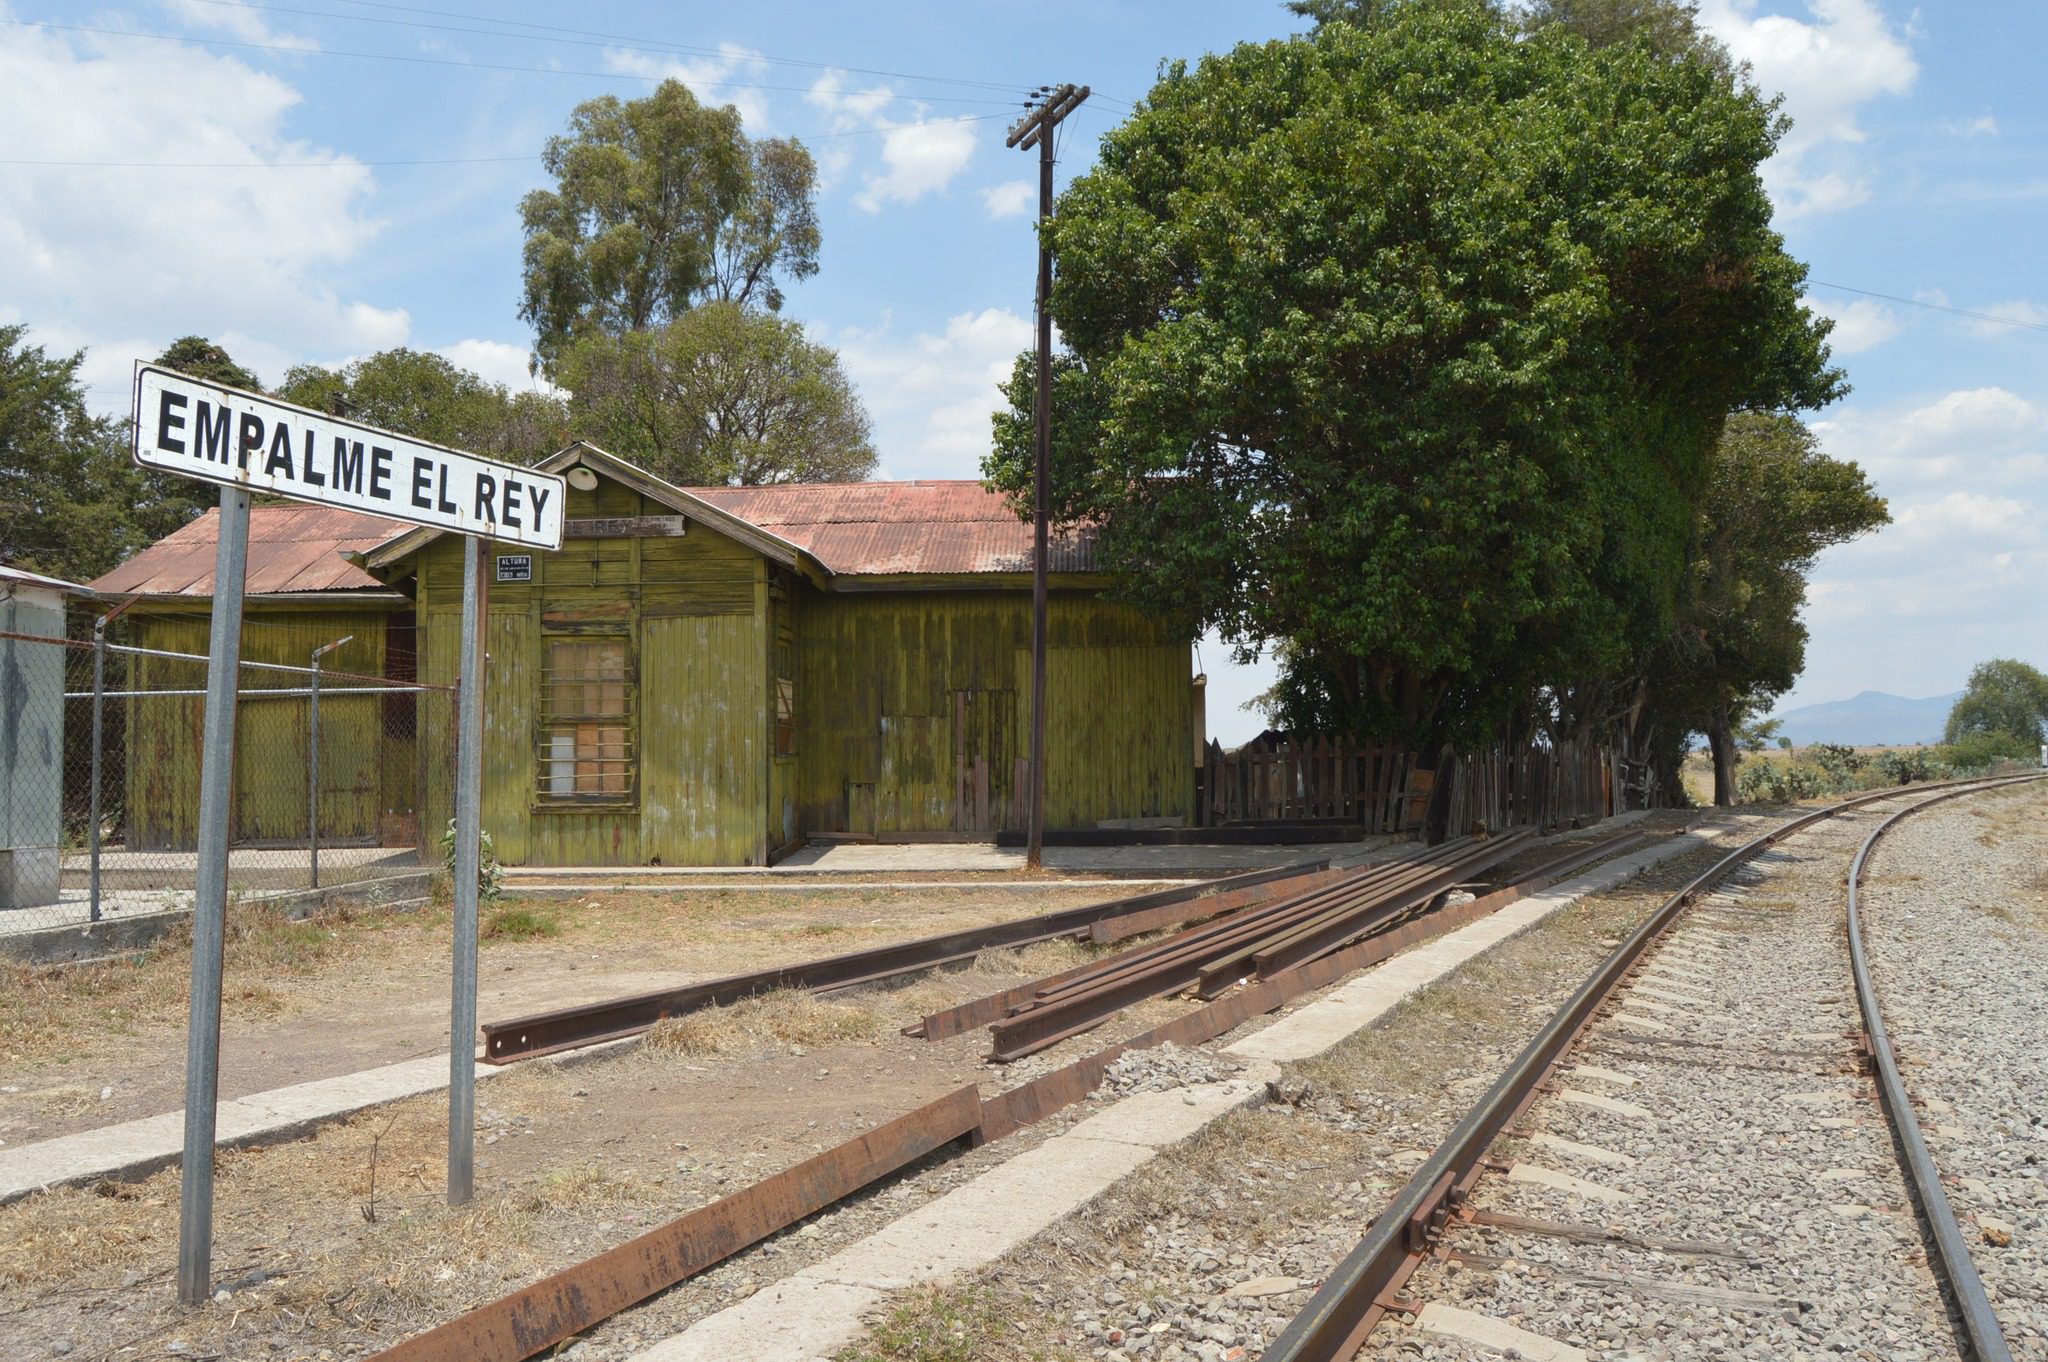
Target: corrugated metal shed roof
{"x":291,"y":548}
{"x":878,"y":528}
{"x":27,"y":578}
{"x":854,"y":529}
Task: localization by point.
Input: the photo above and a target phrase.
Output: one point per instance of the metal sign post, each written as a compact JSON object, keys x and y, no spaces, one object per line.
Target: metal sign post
{"x":246,"y":441}
{"x":469,"y":748}
{"x":210,"y":901}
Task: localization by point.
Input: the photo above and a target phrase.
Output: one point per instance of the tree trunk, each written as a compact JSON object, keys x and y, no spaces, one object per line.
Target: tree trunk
{"x":1721,"y":738}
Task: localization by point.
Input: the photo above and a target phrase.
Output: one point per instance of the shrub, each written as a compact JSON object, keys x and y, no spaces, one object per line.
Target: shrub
{"x":490,"y":875}
{"x":1838,"y":761}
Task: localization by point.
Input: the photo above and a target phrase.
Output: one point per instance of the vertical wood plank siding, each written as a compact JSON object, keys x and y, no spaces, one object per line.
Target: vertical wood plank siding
{"x":688,"y":606}
{"x":362,"y":768}
{"x":904,"y":698}
{"x":908,"y":704}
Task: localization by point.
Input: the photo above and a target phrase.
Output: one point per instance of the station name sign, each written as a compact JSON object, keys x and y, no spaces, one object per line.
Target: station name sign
{"x":224,"y":435}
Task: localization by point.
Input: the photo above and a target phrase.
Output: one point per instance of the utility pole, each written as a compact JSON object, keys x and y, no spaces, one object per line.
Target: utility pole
{"x":1043,"y":112}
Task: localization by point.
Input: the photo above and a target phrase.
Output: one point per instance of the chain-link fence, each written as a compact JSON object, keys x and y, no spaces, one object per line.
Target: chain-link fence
{"x":100,"y":744}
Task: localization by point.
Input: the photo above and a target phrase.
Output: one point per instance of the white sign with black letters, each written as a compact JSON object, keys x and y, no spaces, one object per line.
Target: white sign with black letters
{"x":225,"y":435}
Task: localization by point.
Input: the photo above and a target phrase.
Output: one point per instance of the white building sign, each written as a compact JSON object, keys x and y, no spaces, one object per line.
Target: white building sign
{"x":202,"y":430}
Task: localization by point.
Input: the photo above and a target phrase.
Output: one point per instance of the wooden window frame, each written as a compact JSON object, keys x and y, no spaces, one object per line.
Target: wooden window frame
{"x":604,"y":771}
{"x":785,"y":717}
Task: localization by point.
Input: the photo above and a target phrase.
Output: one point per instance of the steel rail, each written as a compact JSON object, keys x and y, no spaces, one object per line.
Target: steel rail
{"x":1359,"y":1290}
{"x":1973,"y":1305}
{"x":570,"y":1028}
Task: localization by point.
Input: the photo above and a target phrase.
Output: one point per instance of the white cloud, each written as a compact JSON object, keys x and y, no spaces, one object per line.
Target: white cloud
{"x":1960,"y":518}
{"x":1959,"y":432}
{"x":124,"y":259}
{"x":1828,"y":68}
{"x":1859,"y":326}
{"x":497,"y":361}
{"x":243,"y":21}
{"x":2018,"y":310}
{"x":920,"y":155}
{"x":1015,"y":199}
{"x":920,"y":158}
{"x":711,"y":79}
{"x":931,"y":395}
{"x":1969,"y":128}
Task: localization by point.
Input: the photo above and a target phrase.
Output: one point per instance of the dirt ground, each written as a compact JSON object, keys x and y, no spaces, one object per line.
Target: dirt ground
{"x":88,"y":1046}
{"x":337,"y":1245}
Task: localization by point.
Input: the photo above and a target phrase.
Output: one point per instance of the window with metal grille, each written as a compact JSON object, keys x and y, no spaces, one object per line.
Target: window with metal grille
{"x":587,"y":753}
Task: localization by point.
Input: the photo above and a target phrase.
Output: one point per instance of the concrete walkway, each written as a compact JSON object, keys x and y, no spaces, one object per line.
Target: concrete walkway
{"x":870,"y":858}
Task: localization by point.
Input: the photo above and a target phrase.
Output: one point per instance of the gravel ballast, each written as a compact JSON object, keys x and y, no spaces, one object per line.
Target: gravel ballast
{"x":1955,"y":917}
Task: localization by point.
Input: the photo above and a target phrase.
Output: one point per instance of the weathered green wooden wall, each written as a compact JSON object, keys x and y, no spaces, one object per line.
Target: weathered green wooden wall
{"x":692,"y":611}
{"x":911,"y":704}
{"x":364,"y":769}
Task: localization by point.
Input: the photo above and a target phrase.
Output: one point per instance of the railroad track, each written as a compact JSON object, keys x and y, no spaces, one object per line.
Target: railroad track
{"x":1675,"y":1166}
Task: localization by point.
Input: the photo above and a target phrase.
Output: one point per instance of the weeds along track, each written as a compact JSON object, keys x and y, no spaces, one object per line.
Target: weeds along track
{"x":1684,"y":1163}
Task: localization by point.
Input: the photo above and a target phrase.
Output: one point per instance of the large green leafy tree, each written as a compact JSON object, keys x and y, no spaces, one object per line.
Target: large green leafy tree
{"x":2004,"y":707}
{"x":659,"y":204}
{"x":423,"y":395}
{"x":1410,"y":345}
{"x":72,"y":502}
{"x":65,"y":479}
{"x":721,"y":395}
{"x":1773,"y":502}
{"x":201,"y":358}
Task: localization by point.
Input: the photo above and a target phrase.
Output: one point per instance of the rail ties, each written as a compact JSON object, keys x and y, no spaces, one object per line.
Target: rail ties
{"x":1364,"y":1286}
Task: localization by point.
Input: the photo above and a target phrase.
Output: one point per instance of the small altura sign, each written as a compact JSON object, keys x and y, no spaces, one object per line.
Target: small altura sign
{"x":225,"y":435}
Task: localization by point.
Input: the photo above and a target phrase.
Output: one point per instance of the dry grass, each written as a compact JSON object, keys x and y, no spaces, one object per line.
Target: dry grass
{"x":789,"y":1017}
{"x":56,"y":1235}
{"x":48,"y":1010}
{"x":951,"y":1324}
{"x":800,"y":1019}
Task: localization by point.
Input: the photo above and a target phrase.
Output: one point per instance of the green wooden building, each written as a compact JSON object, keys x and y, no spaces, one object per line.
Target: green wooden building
{"x":701,"y":676}
{"x":707,"y":676}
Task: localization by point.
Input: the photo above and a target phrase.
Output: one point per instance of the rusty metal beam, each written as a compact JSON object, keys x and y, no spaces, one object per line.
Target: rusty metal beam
{"x":536,"y":1317}
{"x":570,"y":1028}
{"x":1042,"y":1096}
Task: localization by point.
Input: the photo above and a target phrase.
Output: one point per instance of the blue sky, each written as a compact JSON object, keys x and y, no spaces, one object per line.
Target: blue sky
{"x":241,"y":176}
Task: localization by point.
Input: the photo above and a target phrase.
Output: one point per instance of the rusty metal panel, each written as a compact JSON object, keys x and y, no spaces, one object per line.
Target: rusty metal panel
{"x":291,"y":548}
{"x":925,"y":527}
{"x":519,"y":1325}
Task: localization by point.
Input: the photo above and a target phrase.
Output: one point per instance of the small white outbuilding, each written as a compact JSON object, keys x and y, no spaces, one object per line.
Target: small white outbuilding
{"x":31,"y":736}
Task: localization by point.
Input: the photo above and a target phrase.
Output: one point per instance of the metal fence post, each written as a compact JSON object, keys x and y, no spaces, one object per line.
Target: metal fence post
{"x":313,"y":776}
{"x":468,"y":811}
{"x":99,"y":692}
{"x":313,"y":761}
{"x":209,"y":901}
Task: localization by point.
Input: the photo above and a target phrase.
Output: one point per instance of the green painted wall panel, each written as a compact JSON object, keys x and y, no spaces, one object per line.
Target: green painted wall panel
{"x":905,"y":699}
{"x":364,"y":768}
{"x":688,"y":604}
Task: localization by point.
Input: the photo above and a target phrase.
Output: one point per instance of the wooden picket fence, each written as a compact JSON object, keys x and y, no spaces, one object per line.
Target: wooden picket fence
{"x":1368,"y":788}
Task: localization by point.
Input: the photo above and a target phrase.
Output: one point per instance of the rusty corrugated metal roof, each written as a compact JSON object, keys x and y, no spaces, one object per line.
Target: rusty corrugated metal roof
{"x":854,"y":529}
{"x":881,"y":528}
{"x":291,"y":548}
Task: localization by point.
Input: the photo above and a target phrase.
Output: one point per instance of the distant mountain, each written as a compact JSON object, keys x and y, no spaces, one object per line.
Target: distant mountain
{"x":1872,"y":719}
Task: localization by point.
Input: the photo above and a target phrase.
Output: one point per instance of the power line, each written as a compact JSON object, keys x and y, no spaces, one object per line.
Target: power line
{"x":441,"y":61}
{"x":552,"y":33}
{"x":351,"y":164}
{"x":1933,"y":307}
